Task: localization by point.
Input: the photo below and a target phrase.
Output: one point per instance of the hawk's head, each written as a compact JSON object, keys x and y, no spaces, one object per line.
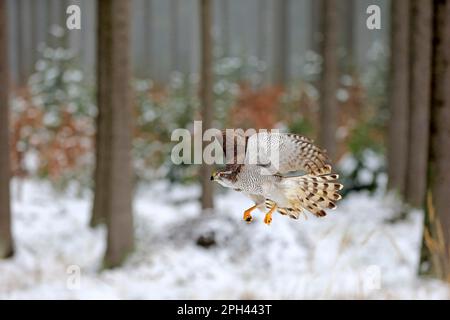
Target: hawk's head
{"x":225,"y":178}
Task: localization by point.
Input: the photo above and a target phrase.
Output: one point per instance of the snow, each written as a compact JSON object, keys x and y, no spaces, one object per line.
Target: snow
{"x":354,"y":252}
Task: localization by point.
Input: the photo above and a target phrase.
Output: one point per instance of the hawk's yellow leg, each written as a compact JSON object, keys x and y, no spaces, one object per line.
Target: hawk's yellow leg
{"x":268,"y":216}
{"x":247,"y":214}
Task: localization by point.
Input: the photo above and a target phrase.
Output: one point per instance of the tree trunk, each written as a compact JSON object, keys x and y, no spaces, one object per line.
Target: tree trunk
{"x":329,"y":78}
{"x":225,"y":7}
{"x":436,"y":250}
{"x":421,"y":51}
{"x":113,"y":185}
{"x":174,"y":10}
{"x":281,"y":43}
{"x":315,"y":33}
{"x":206,"y":96}
{"x":6,"y":243}
{"x":147,"y":43}
{"x":261,"y":23}
{"x":21,"y":46}
{"x":397,"y":152}
{"x":101,"y":149}
{"x":349,"y":35}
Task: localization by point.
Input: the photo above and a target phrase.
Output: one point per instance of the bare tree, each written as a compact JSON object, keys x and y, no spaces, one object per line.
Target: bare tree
{"x":101,"y":148}
{"x":397,"y":146}
{"x":21,"y":51}
{"x":206,"y":95}
{"x":174,"y":11}
{"x":329,"y":77}
{"x":261,"y":23}
{"x":6,"y":242}
{"x":281,"y":43}
{"x":113,"y":178}
{"x":349,"y":33}
{"x":316,"y":33}
{"x":421,"y":51}
{"x":225,"y":9}
{"x":436,"y":251}
{"x":146,"y":39}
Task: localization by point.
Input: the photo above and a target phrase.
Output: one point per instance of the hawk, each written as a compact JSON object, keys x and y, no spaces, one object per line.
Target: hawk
{"x":267,"y":168}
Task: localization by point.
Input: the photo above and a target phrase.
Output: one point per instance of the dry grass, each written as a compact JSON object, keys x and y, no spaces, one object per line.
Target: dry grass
{"x":435,"y":243}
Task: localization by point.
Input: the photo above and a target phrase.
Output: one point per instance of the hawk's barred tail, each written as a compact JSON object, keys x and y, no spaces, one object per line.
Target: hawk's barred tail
{"x":312,"y":193}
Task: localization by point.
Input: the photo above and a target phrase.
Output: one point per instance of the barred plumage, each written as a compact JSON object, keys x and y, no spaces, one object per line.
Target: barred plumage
{"x":315,"y":191}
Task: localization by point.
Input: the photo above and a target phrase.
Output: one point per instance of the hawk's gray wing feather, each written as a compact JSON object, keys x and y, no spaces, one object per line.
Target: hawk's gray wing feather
{"x":286,"y":152}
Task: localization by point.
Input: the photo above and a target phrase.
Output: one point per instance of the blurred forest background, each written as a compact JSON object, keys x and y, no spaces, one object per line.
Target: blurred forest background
{"x":79,"y":107}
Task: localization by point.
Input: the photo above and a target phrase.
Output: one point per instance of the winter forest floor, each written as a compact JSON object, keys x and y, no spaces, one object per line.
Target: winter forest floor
{"x":354,"y":252}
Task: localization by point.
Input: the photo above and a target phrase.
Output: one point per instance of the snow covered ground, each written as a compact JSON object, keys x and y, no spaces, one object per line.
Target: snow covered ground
{"x":354,"y":252}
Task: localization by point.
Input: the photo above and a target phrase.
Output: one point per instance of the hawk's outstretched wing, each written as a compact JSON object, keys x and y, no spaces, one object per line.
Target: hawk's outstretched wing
{"x":287,"y":152}
{"x":284,"y":152}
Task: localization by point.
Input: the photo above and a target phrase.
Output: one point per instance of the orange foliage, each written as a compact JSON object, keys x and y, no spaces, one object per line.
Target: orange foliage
{"x":63,"y":147}
{"x":263,"y":109}
{"x":59,"y":148}
{"x":258,"y":109}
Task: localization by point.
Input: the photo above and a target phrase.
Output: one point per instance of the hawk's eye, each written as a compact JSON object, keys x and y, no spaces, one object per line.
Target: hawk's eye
{"x":224,"y":174}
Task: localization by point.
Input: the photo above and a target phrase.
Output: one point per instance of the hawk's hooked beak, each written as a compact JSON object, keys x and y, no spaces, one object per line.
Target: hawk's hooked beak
{"x":213,"y":176}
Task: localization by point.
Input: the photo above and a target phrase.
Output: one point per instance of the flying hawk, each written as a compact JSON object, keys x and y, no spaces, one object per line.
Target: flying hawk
{"x":267,"y":168}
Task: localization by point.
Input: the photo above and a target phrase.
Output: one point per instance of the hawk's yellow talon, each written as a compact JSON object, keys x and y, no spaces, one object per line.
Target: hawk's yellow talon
{"x":268,"y":216}
{"x":247,"y":214}
{"x":268,"y":219}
